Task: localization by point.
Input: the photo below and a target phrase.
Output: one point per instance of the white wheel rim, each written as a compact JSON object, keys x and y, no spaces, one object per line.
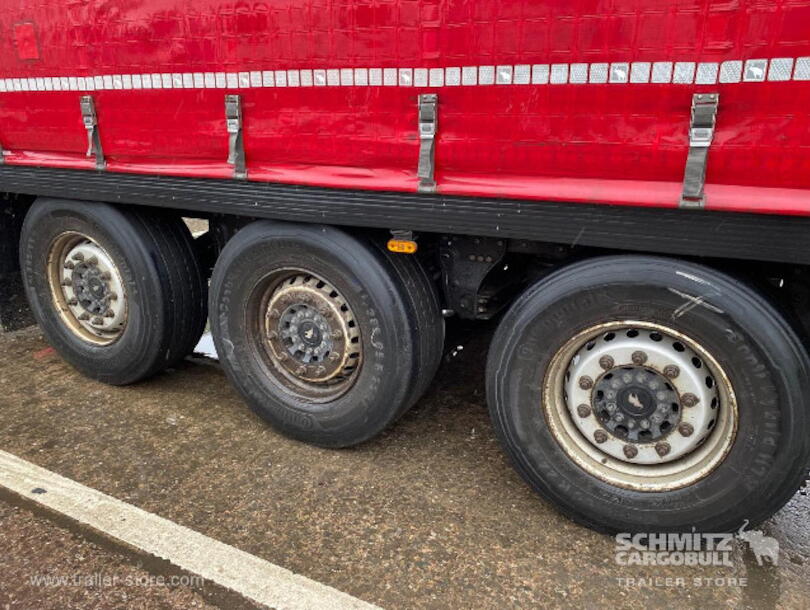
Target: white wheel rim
{"x":647,"y":367}
{"x":87,"y":289}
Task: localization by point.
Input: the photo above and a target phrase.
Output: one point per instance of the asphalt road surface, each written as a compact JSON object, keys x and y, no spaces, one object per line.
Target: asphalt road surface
{"x":430,"y":515}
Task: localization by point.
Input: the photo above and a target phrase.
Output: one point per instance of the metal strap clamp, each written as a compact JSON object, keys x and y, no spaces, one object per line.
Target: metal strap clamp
{"x":90,"y":120}
{"x":701,"y":134}
{"x":236,"y":143}
{"x":428,"y":122}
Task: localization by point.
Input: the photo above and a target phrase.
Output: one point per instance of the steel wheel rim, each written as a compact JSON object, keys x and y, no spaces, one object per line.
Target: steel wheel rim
{"x":310,"y":338}
{"x":87,"y":289}
{"x":579,"y":426}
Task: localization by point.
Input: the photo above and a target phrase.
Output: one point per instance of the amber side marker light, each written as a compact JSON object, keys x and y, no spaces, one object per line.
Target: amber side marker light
{"x":402,"y":246}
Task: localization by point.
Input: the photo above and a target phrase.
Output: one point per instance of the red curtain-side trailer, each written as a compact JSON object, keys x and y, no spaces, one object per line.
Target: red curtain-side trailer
{"x":624,"y":184}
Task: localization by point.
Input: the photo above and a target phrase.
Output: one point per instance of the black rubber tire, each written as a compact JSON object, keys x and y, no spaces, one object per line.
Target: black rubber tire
{"x":422,"y":295}
{"x":386,"y":379}
{"x":165,"y":285}
{"x":761,"y":353}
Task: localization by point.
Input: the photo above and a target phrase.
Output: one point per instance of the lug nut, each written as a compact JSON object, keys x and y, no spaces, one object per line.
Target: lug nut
{"x":334,"y":356}
{"x":583,"y":410}
{"x":283,"y":357}
{"x":67,"y":282}
{"x":272,"y":334}
{"x":337,"y":334}
{"x":97,"y":321}
{"x":606,"y":362}
{"x":320,"y":370}
{"x":69,"y":265}
{"x":106,"y":276}
{"x":73,"y":302}
{"x":113,"y":296}
{"x":671,"y":371}
{"x":84,"y":317}
{"x":639,"y":357}
{"x":109,"y":313}
{"x":689,"y":400}
{"x":686,"y":429}
{"x":662,"y":449}
{"x":301,"y":370}
{"x":78,"y":257}
{"x":630,"y":451}
{"x":600,"y":436}
{"x":92,"y":261}
{"x":585,"y":382}
{"x":275,"y":314}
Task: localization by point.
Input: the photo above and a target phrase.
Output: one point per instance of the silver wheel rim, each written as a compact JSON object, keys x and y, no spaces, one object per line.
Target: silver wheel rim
{"x":640,"y":406}
{"x":87,"y":289}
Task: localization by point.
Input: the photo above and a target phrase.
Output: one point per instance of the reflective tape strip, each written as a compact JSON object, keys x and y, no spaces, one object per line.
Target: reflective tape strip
{"x":755,"y":70}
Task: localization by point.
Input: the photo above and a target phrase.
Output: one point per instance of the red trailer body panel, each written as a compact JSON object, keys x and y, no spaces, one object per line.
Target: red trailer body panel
{"x":582,"y":101}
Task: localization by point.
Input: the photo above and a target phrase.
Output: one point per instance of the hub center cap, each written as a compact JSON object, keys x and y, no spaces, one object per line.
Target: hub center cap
{"x":310,"y":334}
{"x":636,"y":403}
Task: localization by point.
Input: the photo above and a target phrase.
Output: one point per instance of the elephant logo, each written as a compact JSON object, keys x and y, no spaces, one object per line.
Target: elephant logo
{"x":755,"y":70}
{"x":634,"y":400}
{"x":763,"y":547}
{"x":755,"y":73}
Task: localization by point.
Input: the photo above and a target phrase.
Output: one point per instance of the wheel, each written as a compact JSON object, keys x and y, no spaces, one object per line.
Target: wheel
{"x":646,"y":394}
{"x":312,"y":328}
{"x":118,"y":293}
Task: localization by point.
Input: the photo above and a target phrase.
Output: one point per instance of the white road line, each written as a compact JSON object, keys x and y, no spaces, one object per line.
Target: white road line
{"x":215,"y":561}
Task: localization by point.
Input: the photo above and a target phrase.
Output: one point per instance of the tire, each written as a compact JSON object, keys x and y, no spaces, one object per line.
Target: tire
{"x":422,"y":295}
{"x":164,"y":287}
{"x":756,"y":469}
{"x":316,"y":401}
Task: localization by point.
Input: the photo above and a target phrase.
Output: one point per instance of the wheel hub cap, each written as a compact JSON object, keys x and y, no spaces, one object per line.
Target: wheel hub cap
{"x":636,"y":404}
{"x":311,"y":331}
{"x":88,"y":289}
{"x":637,"y":401}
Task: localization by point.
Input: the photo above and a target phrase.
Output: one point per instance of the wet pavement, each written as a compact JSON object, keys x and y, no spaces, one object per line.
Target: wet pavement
{"x":43,"y":565}
{"x":429,"y":515}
